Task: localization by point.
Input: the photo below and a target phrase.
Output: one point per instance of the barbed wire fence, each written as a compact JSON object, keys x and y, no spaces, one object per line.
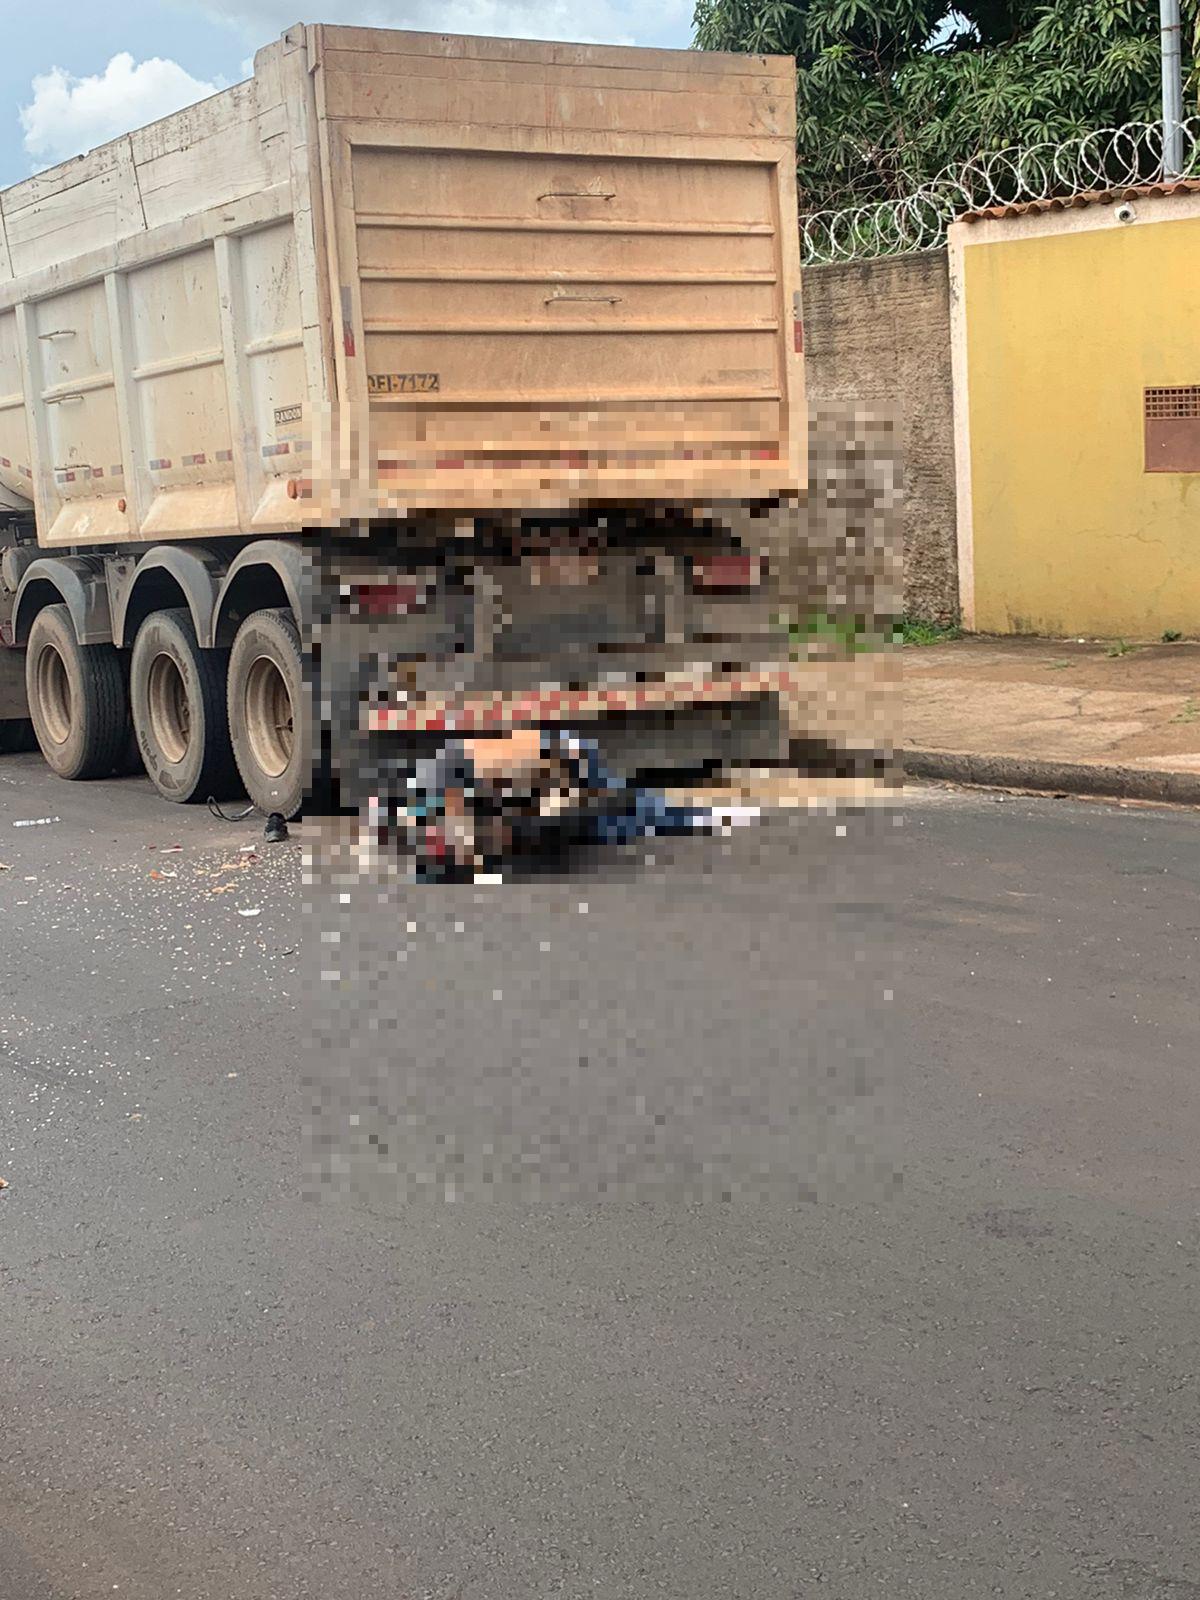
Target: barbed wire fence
{"x":1106,"y":159}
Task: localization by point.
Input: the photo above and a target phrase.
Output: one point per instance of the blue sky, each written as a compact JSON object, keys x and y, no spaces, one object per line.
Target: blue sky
{"x":76,"y":72}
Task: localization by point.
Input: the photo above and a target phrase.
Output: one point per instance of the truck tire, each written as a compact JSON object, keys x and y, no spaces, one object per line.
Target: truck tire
{"x":269,"y":714}
{"x":177,"y":692}
{"x":77,"y":698}
{"x":129,"y":762}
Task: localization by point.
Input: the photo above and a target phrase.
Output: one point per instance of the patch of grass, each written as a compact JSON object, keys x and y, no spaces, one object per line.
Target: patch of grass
{"x":1171,"y":635}
{"x":1118,"y":648}
{"x":852,"y":634}
{"x":1057,"y":666}
{"x":1190,"y":712}
{"x":856,"y":634}
{"x":916,"y":631}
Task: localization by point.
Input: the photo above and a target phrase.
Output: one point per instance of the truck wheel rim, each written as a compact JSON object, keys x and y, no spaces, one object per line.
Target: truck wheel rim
{"x":269,"y":719}
{"x":170,"y":713}
{"x":54,"y":695}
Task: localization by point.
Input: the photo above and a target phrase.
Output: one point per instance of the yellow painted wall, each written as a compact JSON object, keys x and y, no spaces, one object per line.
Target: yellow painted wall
{"x":1063,"y":332}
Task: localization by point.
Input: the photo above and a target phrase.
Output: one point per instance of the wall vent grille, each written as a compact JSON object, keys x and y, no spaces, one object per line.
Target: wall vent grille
{"x":1172,"y":428}
{"x":1171,"y":403}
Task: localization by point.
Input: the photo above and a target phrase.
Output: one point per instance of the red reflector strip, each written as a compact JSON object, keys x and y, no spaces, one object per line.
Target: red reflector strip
{"x":276,"y":449}
{"x":385,"y":599}
{"x":224,"y":455}
{"x":798,"y":336}
{"x":5,"y":462}
{"x":195,"y":461}
{"x":160,"y":464}
{"x":726,"y":572}
{"x":578,"y":460}
{"x":562,"y":705}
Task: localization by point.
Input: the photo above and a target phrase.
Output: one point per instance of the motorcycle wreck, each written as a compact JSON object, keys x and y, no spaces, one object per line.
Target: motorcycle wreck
{"x":477,"y":806}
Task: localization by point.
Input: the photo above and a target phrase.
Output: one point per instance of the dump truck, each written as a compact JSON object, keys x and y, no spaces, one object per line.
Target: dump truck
{"x":418,"y":383}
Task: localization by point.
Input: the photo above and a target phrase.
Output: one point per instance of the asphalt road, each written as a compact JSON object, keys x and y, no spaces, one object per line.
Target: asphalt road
{"x":504,"y":1335}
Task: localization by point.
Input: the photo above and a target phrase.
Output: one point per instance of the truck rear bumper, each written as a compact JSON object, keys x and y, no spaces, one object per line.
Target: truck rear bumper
{"x":498,"y":713}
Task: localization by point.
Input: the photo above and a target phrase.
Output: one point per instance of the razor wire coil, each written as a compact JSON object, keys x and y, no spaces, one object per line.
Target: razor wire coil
{"x":1105,"y":159}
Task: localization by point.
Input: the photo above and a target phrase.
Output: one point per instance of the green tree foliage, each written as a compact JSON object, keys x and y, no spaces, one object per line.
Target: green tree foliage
{"x":893,"y":91}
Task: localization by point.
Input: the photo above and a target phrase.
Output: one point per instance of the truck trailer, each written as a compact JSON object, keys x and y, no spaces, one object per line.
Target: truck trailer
{"x":419,"y":383}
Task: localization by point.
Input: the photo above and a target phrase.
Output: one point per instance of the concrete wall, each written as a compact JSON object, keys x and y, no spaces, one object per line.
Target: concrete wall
{"x":877,"y":335}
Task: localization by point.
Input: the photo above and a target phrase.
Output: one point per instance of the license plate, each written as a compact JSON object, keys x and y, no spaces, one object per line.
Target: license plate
{"x":566,"y":569}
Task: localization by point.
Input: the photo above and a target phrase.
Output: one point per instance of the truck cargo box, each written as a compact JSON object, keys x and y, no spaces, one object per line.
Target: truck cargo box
{"x":399,"y":273}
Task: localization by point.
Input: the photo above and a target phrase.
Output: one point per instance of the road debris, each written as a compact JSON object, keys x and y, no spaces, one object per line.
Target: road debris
{"x":35,"y":822}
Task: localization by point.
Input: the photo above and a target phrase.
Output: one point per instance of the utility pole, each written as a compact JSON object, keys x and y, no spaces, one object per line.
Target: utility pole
{"x":1172,"y":89}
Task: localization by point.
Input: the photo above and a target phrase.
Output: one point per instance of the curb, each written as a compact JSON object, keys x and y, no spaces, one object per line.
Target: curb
{"x":1057,"y":777}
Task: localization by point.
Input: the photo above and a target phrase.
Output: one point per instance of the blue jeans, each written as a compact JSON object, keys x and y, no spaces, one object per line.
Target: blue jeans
{"x":635,"y":812}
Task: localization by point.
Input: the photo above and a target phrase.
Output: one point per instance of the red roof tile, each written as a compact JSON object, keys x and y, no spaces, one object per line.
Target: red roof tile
{"x":1091,"y":197}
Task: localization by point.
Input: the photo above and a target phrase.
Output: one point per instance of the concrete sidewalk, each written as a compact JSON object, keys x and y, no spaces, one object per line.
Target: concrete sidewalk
{"x":1054,"y":715}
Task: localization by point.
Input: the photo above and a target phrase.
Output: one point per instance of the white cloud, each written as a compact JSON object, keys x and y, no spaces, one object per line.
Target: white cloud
{"x":602,"y":21}
{"x":68,"y":115}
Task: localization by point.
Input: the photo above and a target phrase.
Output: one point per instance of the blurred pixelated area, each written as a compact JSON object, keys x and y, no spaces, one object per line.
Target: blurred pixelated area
{"x":717,"y":650}
{"x":588,"y":1012}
